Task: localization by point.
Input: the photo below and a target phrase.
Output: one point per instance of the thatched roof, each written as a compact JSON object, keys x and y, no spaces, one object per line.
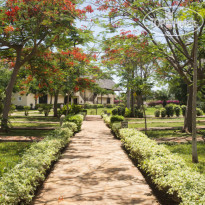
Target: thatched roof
{"x":108,"y":84}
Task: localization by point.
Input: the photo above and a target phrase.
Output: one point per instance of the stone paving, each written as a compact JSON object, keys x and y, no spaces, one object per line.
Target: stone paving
{"x":95,"y":170}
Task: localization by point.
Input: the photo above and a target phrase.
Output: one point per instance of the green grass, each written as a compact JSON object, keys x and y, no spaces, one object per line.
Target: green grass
{"x":157,"y":124}
{"x":185,"y":150}
{"x":11,"y":153}
{"x":166,"y":134}
{"x":34,"y":118}
{"x":35,"y":125}
{"x":36,"y":133}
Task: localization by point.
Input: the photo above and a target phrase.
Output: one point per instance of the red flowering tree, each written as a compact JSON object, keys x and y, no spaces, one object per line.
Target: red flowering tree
{"x":26,"y":26}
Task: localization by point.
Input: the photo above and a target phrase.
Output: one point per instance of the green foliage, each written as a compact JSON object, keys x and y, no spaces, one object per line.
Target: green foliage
{"x":115,"y":111}
{"x":157,"y":113}
{"x":18,"y":185}
{"x":110,"y":106}
{"x":106,"y":119}
{"x":12,"y":108}
{"x":139,"y":113}
{"x":121,"y":110}
{"x":100,"y":106}
{"x":116,"y":118}
{"x":26,"y":109}
{"x":77,"y":119}
{"x":170,"y":110}
{"x":127,"y":112}
{"x":169,"y":172}
{"x":177,"y":110}
{"x":115,"y":127}
{"x":199,"y":112}
{"x":71,"y":125}
{"x":163,"y":112}
{"x":183,"y":107}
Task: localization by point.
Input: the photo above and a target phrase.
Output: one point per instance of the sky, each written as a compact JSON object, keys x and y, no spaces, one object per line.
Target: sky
{"x":98,"y":32}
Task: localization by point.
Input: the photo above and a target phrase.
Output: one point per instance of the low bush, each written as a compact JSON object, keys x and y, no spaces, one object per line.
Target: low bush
{"x":115,"y":127}
{"x":177,"y":110}
{"x":106,"y":119}
{"x":199,"y":112}
{"x":163,"y":112}
{"x":157,"y":113}
{"x":100,"y":106}
{"x":168,"y":171}
{"x":18,"y":185}
{"x":77,"y":119}
{"x":12,"y":108}
{"x":120,"y":110}
{"x":26,"y":110}
{"x":127,"y":112}
{"x":109,"y":106}
{"x":19,"y":107}
{"x":116,"y":118}
{"x":183,"y":107}
{"x":70,"y":125}
{"x":170,"y":110}
{"x":71,"y":109}
{"x":115,"y":111}
{"x":139,"y":113}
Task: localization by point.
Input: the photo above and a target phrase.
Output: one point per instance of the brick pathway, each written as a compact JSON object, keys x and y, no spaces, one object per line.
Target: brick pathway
{"x":94,"y":169}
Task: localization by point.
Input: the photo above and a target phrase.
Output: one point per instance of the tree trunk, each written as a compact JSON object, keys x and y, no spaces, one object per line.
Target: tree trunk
{"x":139,"y":101}
{"x":51,"y":99}
{"x":188,"y":116}
{"x":7,"y":100}
{"x":67,"y":104}
{"x":56,"y":104}
{"x":194,"y":140}
{"x":128,"y":98}
{"x":132,"y":103}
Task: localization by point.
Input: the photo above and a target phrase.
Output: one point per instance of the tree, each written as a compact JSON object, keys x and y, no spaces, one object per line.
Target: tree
{"x":27,"y":26}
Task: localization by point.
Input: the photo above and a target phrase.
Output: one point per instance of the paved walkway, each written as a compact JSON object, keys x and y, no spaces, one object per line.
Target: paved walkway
{"x":94,"y":169}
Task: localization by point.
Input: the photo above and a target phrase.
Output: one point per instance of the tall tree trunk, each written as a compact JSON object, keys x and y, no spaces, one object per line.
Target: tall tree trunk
{"x":9,"y":90}
{"x":132,"y":103}
{"x":56,"y":103}
{"x":139,"y":101}
{"x":51,"y":99}
{"x":128,"y":97}
{"x":188,"y":115}
{"x":67,"y":104}
{"x":194,"y":140}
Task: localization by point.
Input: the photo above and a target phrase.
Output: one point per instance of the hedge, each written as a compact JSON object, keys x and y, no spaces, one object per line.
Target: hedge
{"x":168,"y":171}
{"x":116,"y":118}
{"x":18,"y":185}
{"x":78,"y":119}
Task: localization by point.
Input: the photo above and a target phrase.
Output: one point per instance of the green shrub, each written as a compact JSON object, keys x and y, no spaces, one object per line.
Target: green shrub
{"x":40,"y":109}
{"x":115,"y":111}
{"x":127,"y":112}
{"x":100,"y":106}
{"x":199,"y":112}
{"x":107,"y":118}
{"x":121,"y":105}
{"x":77,"y":119}
{"x":139,"y":113}
{"x":109,"y":106}
{"x":26,"y":109}
{"x":70,"y":125}
{"x":169,"y":110}
{"x":19,"y":107}
{"x":12,"y":108}
{"x":87,"y":106}
{"x":169,"y":172}
{"x":183,"y":107}
{"x":157,"y":113}
{"x":47,"y":108}
{"x":115,"y":127}
{"x":18,"y":185}
{"x":121,"y":110}
{"x":163,"y":112}
{"x":116,"y":118}
{"x":177,"y":110}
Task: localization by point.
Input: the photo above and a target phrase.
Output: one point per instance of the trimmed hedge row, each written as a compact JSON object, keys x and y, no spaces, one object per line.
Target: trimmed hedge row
{"x":168,"y":171}
{"x":18,"y":185}
{"x":77,"y":119}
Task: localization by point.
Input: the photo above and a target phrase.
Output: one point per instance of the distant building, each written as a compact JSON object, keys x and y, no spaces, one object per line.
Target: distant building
{"x":88,"y":96}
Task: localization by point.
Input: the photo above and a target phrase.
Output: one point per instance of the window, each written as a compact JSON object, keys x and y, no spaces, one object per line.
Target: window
{"x":108,"y":100}
{"x":19,"y":98}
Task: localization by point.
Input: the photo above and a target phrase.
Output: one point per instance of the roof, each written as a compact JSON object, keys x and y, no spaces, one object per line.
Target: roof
{"x":108,"y":84}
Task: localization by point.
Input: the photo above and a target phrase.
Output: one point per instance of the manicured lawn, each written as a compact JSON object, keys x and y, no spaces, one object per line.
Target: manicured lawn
{"x":11,"y":153}
{"x":34,"y":118}
{"x":157,"y":124}
{"x":35,"y":125}
{"x":35,"y":133}
{"x":185,"y":150}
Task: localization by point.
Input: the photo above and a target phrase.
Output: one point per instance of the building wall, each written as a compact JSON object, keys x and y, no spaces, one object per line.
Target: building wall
{"x":23,"y":100}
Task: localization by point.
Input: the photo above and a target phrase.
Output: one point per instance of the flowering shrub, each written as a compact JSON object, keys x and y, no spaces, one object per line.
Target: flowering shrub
{"x":160,"y":102}
{"x":168,"y":171}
